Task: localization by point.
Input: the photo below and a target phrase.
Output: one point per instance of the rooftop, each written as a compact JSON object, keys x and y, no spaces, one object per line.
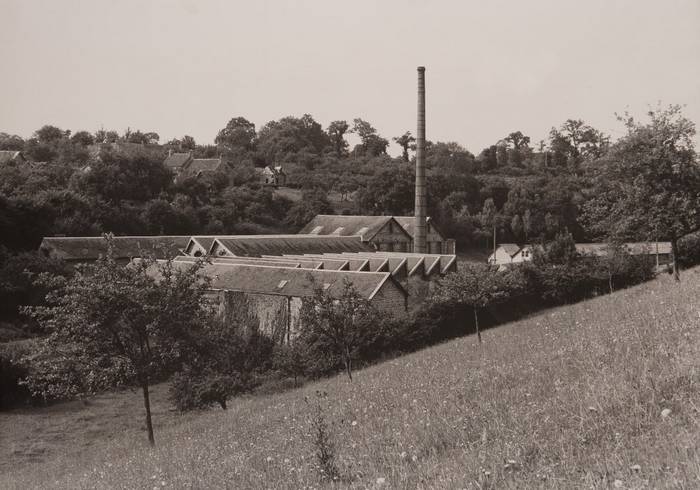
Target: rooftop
{"x":125,"y":247}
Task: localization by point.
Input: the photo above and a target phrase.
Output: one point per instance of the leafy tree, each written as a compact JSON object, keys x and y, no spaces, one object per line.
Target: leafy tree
{"x":404,"y":141}
{"x":575,"y":142}
{"x":11,"y":142}
{"x":339,"y":320}
{"x":560,"y":251}
{"x":102,"y":136}
{"x":238,"y":133}
{"x":187,"y":143}
{"x":516,"y":226}
{"x":313,"y":202}
{"x":291,"y":136}
{"x":477,"y":286}
{"x":528,"y":225}
{"x":372,"y":144}
{"x":649,"y":182}
{"x":489,"y":218}
{"x":50,"y":134}
{"x":336,"y":133}
{"x":137,"y":319}
{"x":82,"y":138}
{"x":117,"y":177}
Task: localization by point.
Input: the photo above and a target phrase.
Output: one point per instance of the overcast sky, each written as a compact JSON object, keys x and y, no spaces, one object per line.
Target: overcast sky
{"x":186,"y":67}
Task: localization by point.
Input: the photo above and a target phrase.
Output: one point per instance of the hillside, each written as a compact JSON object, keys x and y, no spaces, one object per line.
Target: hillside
{"x":600,"y":394}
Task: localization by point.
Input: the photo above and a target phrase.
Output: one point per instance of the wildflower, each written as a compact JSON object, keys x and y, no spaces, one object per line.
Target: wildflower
{"x":665,"y":412}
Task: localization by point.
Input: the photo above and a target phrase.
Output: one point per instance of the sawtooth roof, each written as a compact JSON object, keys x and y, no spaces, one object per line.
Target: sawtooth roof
{"x":344,"y":225}
{"x":258,"y":245}
{"x":125,"y":247}
{"x":292,"y":282}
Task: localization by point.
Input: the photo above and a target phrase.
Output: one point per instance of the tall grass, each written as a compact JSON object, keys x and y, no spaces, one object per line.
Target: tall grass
{"x":602,"y":394}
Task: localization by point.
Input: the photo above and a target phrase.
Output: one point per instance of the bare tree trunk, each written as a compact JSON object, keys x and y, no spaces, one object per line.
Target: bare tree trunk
{"x":610,"y":283}
{"x":476,"y":322}
{"x":348,"y":362}
{"x":674,"y":253}
{"x":147,"y":405}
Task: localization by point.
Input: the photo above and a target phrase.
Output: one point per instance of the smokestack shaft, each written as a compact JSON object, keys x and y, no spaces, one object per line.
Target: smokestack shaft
{"x":420,"y":234}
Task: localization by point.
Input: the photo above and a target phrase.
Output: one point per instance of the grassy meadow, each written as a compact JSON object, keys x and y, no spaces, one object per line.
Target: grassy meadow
{"x":601,"y":394}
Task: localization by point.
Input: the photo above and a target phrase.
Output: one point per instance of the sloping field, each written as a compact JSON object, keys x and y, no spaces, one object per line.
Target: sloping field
{"x":602,"y":394}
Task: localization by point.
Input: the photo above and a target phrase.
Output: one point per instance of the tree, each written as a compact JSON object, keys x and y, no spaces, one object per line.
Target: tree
{"x":527,"y":224}
{"x":516,"y":226}
{"x":489,"y":218}
{"x":477,"y":286}
{"x":50,"y":134}
{"x":187,"y":143}
{"x":338,"y":319}
{"x":238,"y":133}
{"x":372,"y":144}
{"x":575,"y":142}
{"x":290,"y":137}
{"x":138,"y":319}
{"x":404,"y":141}
{"x":82,"y":138}
{"x":336,"y":132}
{"x":648,"y":185}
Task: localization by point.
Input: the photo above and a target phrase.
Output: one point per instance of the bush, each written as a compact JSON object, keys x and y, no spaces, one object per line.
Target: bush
{"x":190,"y":391}
{"x":689,"y":250}
{"x":12,"y":371}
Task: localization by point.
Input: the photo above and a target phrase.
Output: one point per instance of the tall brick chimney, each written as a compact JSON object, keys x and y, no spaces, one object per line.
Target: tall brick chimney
{"x":420,"y":233}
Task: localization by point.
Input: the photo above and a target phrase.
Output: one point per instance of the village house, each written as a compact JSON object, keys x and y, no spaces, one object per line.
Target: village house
{"x":271,"y":296}
{"x":125,"y":248}
{"x":184,"y":165}
{"x":380,"y":232}
{"x":273,"y":176}
{"x":10,"y":156}
{"x":384,"y":233}
{"x":510,"y":253}
{"x":436,"y":241}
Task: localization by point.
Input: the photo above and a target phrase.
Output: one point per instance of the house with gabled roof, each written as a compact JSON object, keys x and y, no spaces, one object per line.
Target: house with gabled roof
{"x":380,"y":232}
{"x":184,"y":165}
{"x":11,"y":156}
{"x":272,"y":175}
{"x":436,"y":242}
{"x":271,"y":296}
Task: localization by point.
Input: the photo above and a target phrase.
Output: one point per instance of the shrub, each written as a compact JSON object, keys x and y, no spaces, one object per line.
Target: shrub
{"x":12,"y":371}
{"x":189,"y":390}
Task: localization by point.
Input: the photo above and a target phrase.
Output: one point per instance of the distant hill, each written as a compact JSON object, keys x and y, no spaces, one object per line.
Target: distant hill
{"x":591,"y":394}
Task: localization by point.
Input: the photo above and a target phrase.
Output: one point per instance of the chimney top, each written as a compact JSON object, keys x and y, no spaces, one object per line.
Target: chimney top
{"x":421,"y":68}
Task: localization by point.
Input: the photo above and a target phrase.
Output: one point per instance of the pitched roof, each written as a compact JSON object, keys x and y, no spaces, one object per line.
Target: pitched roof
{"x":177,"y":160}
{"x":408,"y":223}
{"x":510,"y":248}
{"x":125,"y":247}
{"x":245,"y":261}
{"x":258,"y":245}
{"x":10,"y":155}
{"x":342,"y":225}
{"x":292,"y":282}
{"x":204,"y":165}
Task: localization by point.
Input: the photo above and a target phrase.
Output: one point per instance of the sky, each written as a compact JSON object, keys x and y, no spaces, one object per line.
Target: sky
{"x":188,"y":66}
